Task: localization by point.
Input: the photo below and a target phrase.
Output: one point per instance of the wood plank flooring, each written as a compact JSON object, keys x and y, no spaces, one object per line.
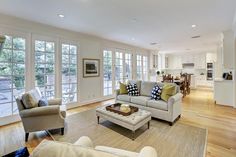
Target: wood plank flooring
{"x":198,"y":110}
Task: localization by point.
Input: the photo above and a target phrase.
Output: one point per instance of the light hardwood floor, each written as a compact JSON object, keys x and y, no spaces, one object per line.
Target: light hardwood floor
{"x":198,"y":110}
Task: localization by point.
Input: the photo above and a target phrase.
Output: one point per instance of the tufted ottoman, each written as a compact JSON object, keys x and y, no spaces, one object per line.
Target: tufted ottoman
{"x":131,"y":122}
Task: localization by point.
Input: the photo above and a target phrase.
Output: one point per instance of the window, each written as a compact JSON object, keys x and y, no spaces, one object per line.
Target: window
{"x":107,"y":73}
{"x":118,"y":69}
{"x":145,"y":68}
{"x":69,"y":73}
{"x":128,"y":67}
{"x":12,"y":74}
{"x":142,"y":67}
{"x":45,"y":67}
{"x":139,"y":67}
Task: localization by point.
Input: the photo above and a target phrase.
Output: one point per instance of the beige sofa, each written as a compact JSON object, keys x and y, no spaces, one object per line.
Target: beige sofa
{"x":83,"y":147}
{"x":42,"y":118}
{"x":168,"y":111}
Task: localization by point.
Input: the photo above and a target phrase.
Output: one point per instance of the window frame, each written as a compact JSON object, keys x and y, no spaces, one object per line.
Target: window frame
{"x":77,"y":71}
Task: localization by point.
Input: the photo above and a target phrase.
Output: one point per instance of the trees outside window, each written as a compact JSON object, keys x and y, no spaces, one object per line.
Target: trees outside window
{"x":69,"y":73}
{"x":12,"y":74}
{"x":107,"y":73}
{"x":45,"y":67}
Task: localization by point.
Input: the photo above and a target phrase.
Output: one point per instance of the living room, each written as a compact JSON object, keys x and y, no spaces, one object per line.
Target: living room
{"x":79,"y":58}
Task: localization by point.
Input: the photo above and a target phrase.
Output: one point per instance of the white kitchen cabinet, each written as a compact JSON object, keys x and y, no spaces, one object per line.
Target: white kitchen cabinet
{"x":200,"y":61}
{"x":187,"y":58}
{"x":224,"y":92}
{"x":211,"y":57}
{"x":202,"y":81}
{"x":174,"y":62}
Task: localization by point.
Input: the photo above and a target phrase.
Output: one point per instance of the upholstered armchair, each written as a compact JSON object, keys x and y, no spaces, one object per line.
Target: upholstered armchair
{"x":37,"y":118}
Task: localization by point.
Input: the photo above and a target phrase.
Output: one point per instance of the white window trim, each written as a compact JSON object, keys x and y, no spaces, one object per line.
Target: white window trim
{"x":70,"y":42}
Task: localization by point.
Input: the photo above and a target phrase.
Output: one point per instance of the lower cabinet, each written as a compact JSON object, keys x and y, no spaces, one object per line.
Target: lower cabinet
{"x":223,"y":92}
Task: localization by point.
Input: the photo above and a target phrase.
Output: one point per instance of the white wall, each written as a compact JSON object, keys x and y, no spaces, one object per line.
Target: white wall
{"x":90,"y":89}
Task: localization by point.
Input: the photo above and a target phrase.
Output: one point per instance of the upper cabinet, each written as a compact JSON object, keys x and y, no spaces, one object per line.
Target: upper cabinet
{"x":228,"y":49}
{"x":200,"y":61}
{"x":187,"y":59}
{"x":211,"y":57}
{"x":174,"y":62}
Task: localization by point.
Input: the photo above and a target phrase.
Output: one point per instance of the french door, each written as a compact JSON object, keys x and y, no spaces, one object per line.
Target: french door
{"x":12,"y":74}
{"x":117,"y":67}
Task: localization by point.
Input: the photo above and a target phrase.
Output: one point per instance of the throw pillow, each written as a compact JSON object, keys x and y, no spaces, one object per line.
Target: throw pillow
{"x":156,"y":92}
{"x":29,"y":101}
{"x":132,"y":90}
{"x":168,"y":91}
{"x":43,"y":102}
{"x":123,"y":89}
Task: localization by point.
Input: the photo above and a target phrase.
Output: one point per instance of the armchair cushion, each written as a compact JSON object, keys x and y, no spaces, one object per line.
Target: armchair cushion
{"x":31,"y":98}
{"x":29,"y":101}
{"x":43,"y":102}
{"x":40,"y":111}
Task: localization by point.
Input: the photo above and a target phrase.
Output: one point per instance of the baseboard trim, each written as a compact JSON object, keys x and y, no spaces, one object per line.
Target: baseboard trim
{"x":86,"y":102}
{"x":9,"y":119}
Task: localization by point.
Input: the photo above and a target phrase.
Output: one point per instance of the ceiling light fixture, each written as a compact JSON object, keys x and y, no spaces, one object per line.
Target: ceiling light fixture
{"x":61,"y":15}
{"x":193,"y":26}
{"x":153,"y":43}
{"x":134,"y":20}
{"x":133,"y":39}
{"x":197,"y":36}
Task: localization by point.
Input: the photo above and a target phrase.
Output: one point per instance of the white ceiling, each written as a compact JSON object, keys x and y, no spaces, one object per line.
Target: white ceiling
{"x":167,"y":22}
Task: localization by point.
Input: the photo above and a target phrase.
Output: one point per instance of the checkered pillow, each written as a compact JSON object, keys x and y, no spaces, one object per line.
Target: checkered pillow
{"x":132,"y":90}
{"x":156,"y":92}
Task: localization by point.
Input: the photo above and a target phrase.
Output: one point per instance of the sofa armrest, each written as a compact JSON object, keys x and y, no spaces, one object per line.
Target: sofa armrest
{"x":56,"y":101}
{"x":40,"y":111}
{"x":117,"y":92}
{"x":148,"y":152}
{"x":174,"y":98}
{"x":84,"y":141}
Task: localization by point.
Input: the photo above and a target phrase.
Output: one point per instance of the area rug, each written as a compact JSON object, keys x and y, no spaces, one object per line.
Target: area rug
{"x":179,"y":140}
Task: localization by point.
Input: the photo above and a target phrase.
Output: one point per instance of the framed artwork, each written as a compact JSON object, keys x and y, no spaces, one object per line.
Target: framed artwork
{"x":91,"y":67}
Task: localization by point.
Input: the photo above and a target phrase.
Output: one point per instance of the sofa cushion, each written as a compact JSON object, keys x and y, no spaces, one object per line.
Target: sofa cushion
{"x":124,"y":98}
{"x":173,"y":84}
{"x":140,"y":100}
{"x":137,"y":82}
{"x":146,"y":88}
{"x":132,"y":89}
{"x":158,"y":104}
{"x":156,"y":92}
{"x":168,"y":91}
{"x":123,"y":89}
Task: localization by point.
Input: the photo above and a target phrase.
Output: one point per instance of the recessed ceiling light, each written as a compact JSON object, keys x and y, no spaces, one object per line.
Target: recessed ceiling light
{"x":133,"y":39}
{"x":61,"y":15}
{"x":134,"y":20}
{"x":153,"y":43}
{"x":197,"y":36}
{"x":193,"y":26}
